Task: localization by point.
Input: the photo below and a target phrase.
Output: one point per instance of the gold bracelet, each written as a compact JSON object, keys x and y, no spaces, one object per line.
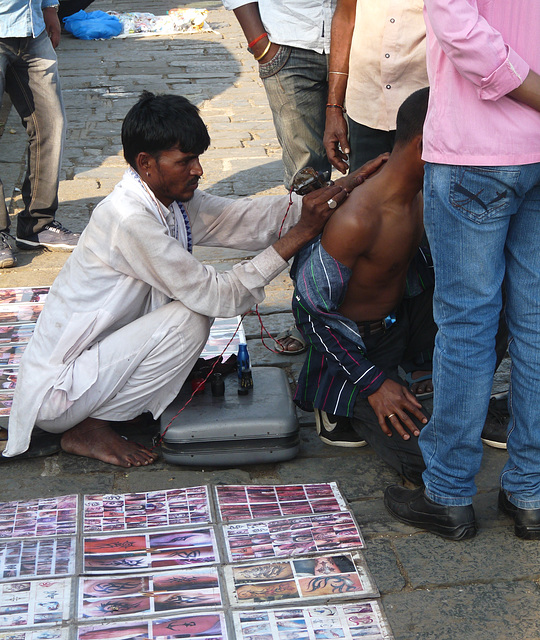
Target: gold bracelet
{"x":339,"y":73}
{"x":266,"y":50}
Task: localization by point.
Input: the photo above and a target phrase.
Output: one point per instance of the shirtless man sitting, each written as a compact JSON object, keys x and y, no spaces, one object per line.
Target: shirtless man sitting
{"x":363,"y":300}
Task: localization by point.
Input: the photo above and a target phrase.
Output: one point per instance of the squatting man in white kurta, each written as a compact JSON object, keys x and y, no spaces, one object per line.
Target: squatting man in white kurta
{"x":130,"y":312}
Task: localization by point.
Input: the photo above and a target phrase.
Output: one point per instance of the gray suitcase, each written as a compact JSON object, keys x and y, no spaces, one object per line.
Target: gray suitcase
{"x":233,"y":430}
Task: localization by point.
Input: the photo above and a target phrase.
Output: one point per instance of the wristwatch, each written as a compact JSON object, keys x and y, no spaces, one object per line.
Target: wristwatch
{"x":53,"y":6}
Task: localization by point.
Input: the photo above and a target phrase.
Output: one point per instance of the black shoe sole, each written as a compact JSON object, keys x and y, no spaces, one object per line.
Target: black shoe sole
{"x":463,"y":532}
{"x":525,"y":532}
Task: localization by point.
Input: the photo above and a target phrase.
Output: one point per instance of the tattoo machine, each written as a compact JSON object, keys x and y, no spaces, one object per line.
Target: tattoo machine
{"x":307,"y":179}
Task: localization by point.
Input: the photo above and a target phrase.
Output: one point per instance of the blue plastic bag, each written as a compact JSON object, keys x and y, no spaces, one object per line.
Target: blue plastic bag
{"x":93,"y":25}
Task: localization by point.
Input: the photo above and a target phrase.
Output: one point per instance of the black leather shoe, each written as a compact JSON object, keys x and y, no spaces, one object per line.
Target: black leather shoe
{"x":413,"y":507}
{"x":526,"y":521}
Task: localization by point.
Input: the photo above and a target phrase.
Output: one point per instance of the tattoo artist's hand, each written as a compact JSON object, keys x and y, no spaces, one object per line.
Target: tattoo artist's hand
{"x":316,"y":210}
{"x":52,"y":25}
{"x":366,"y":170}
{"x":392,"y":402}
{"x":335,"y":139}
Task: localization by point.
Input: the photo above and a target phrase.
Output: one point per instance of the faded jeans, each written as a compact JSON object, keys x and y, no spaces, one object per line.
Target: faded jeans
{"x":483,"y":225}
{"x":296,"y":84}
{"x":29,"y":74}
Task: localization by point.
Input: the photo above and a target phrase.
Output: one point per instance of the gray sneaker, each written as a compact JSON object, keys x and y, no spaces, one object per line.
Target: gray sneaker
{"x":52,"y":236}
{"x":7,"y":259}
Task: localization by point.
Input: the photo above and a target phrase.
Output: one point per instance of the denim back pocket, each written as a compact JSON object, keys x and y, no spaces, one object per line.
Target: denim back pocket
{"x":481,"y":193}
{"x":276,"y":64}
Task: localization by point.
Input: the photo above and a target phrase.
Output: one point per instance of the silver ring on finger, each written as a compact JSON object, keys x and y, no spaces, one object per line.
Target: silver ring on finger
{"x":392,"y":415}
{"x":332,"y":203}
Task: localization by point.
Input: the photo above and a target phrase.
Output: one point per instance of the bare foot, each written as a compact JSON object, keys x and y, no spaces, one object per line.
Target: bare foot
{"x":425,"y":386}
{"x":94,"y":438}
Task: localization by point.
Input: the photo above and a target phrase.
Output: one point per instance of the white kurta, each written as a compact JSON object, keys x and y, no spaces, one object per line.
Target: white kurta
{"x":125,"y":265}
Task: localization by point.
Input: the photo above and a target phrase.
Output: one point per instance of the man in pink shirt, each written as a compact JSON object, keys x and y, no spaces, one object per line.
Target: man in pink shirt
{"x":482,"y":217}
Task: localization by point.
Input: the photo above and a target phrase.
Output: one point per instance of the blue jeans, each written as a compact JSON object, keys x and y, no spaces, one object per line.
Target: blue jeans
{"x":483,"y":225}
{"x":29,"y":74}
{"x":296,"y":84}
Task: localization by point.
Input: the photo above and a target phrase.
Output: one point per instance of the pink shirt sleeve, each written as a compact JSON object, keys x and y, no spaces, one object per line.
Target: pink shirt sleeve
{"x":475,"y":48}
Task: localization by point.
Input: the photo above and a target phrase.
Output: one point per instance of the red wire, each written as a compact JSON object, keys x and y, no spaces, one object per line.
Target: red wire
{"x":263,"y":328}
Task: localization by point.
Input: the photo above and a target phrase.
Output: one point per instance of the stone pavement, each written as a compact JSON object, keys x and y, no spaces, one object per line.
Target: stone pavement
{"x":487,"y":588}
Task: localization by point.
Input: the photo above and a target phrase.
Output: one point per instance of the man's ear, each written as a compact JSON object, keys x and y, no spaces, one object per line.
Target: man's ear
{"x":419,"y":143}
{"x":144,"y":162}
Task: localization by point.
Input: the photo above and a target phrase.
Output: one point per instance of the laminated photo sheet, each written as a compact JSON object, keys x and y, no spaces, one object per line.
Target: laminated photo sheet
{"x":8,"y":378}
{"x":35,"y":602}
{"x":221,"y":332}
{"x":20,"y":312}
{"x":337,"y":576}
{"x":290,"y":537}
{"x":203,"y":626}
{"x":11,"y":354}
{"x":37,"y":558}
{"x":150,"y":551}
{"x":49,"y":633}
{"x":16,"y":333}
{"x":41,"y":517}
{"x":167,"y":508}
{"x":253,"y":502}
{"x":6,"y":400}
{"x":24,"y":294}
{"x":363,"y":620}
{"x":166,"y":592}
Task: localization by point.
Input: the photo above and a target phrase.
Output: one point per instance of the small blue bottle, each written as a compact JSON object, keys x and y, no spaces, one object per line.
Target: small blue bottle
{"x":245,"y":379}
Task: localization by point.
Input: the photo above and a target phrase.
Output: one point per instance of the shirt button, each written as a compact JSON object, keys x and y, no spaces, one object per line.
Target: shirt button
{"x":388,"y":86}
{"x":392,"y":20}
{"x":386,"y":55}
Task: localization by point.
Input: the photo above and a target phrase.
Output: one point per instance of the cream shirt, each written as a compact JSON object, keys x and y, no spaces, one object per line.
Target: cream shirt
{"x":387,"y":61}
{"x":125,"y":265}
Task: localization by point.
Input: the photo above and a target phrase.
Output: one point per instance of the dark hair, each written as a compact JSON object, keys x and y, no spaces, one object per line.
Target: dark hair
{"x":158,"y":123}
{"x":411,"y":116}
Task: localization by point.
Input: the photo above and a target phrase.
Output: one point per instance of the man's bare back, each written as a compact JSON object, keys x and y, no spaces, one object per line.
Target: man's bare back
{"x":376,"y":233}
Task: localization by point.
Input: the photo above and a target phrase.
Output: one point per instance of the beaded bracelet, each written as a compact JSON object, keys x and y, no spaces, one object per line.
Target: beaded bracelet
{"x":337,"y":106}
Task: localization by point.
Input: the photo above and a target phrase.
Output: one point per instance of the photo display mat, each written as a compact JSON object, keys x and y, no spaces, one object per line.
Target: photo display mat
{"x":187,"y":581}
{"x":143,"y":510}
{"x":40,"y":517}
{"x":252,"y":502}
{"x":288,"y":537}
{"x":35,"y":602}
{"x":37,"y":557}
{"x":363,"y":620}
{"x":330,"y":577}
{"x":157,"y":593}
{"x":203,"y":626}
{"x":150,"y":551}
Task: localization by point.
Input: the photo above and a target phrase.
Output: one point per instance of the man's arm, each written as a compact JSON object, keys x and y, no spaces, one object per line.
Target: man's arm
{"x":529,"y":91}
{"x":249,"y":18}
{"x":52,"y":24}
{"x":335,"y":133}
{"x":475,"y":48}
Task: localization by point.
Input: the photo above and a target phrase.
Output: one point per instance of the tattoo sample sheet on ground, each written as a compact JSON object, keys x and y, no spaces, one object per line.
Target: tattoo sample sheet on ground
{"x":165,"y":592}
{"x":240,"y":502}
{"x":31,"y":558}
{"x":158,"y":551}
{"x":172,"y":507}
{"x":330,"y":576}
{"x":40,"y":517}
{"x":34,"y":602}
{"x":209,"y":626}
{"x":292,"y":536}
{"x":360,"y":620}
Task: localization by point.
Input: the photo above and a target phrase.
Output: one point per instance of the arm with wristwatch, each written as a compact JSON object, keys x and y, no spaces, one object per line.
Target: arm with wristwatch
{"x":52,"y":24}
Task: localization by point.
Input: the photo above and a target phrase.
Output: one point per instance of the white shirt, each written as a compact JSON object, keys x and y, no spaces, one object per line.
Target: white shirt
{"x":125,"y":265}
{"x":305,"y":24}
